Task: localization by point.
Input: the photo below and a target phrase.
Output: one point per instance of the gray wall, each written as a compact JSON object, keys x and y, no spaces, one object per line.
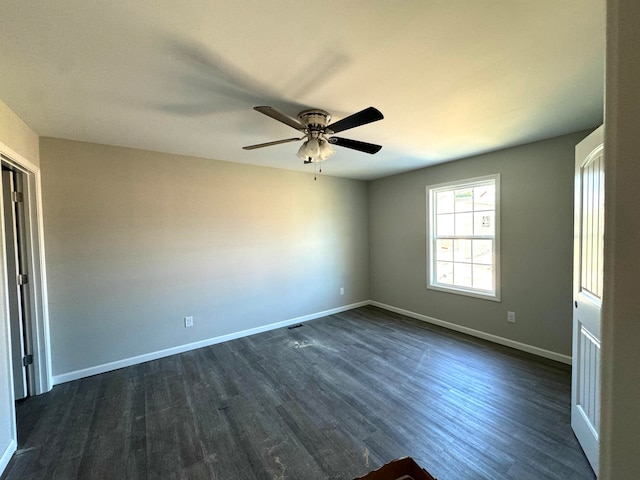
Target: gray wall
{"x":620,"y":423}
{"x":17,"y":135}
{"x":137,"y":240}
{"x":536,"y":244}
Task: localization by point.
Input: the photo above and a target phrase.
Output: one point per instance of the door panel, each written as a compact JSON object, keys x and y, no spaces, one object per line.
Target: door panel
{"x":587,"y":290}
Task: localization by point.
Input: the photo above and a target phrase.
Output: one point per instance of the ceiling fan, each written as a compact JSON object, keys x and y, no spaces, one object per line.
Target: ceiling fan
{"x":314,"y":124}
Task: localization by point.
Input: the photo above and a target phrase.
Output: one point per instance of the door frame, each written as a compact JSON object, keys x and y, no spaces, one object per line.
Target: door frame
{"x":42,"y":380}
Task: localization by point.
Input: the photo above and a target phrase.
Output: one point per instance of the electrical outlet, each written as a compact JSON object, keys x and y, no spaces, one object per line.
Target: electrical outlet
{"x":188,"y":322}
{"x":511,"y":317}
{"x":341,"y":290}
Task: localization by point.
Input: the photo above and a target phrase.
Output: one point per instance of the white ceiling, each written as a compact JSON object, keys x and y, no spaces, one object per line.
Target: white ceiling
{"x":453,"y":78}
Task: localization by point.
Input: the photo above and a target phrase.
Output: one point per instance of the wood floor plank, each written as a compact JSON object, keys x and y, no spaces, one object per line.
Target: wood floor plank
{"x":332,"y":399}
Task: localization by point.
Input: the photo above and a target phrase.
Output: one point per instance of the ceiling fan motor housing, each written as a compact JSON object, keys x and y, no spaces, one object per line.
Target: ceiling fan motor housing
{"x":314,"y":119}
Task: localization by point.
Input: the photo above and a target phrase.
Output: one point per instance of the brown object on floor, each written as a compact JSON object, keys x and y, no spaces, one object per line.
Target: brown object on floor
{"x":400,"y":469}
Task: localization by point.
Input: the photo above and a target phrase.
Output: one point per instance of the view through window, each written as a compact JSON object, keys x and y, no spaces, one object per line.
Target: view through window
{"x":463,"y":237}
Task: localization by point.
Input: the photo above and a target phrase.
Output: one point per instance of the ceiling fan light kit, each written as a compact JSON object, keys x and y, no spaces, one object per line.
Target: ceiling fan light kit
{"x":315,"y":150}
{"x":314,"y":124}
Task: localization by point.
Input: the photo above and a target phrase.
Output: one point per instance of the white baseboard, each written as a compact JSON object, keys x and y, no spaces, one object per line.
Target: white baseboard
{"x":7,"y":454}
{"x":127,"y":362}
{"x":479,"y":334}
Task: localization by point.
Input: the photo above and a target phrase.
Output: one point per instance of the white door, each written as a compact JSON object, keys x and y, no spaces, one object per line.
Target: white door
{"x":587,"y":291}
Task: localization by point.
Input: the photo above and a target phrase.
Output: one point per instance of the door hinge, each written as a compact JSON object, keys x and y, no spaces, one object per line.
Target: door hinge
{"x":23,"y":279}
{"x":17,"y":197}
{"x":27,"y":360}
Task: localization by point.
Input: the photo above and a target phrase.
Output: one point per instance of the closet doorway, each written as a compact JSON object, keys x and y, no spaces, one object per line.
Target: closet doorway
{"x":17,"y":282}
{"x":24,"y":279}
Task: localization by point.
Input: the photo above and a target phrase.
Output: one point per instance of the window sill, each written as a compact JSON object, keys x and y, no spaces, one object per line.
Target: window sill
{"x":494,"y":297}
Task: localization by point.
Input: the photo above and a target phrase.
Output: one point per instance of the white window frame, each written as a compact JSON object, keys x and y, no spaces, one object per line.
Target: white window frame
{"x":432,"y":284}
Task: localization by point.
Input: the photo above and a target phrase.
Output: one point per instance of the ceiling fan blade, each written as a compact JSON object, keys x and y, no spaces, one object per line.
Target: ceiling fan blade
{"x":362,"y":117}
{"x":281,"y":117}
{"x":355,"y":145}
{"x":268,"y":144}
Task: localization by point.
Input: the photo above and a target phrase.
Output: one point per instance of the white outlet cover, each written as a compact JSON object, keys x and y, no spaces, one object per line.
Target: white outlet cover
{"x":188,"y":321}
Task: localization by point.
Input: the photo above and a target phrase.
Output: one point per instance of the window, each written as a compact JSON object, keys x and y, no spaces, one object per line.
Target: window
{"x":464,"y":237}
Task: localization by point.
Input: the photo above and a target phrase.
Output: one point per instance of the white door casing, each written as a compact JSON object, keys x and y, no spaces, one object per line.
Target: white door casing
{"x":587,"y":292}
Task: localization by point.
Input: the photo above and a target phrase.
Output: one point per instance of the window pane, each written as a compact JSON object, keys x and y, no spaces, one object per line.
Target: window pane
{"x":445,"y":225}
{"x":462,"y":251}
{"x":444,"y":273}
{"x":483,"y":277}
{"x":483,"y":251}
{"x":444,"y":250}
{"x":464,"y":223}
{"x":464,"y":200}
{"x":462,"y":274}
{"x":484,"y":198}
{"x":444,"y":202}
{"x":483,"y":223}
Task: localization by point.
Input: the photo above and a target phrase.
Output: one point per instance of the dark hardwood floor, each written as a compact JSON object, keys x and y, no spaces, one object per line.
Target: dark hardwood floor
{"x":332,"y":399}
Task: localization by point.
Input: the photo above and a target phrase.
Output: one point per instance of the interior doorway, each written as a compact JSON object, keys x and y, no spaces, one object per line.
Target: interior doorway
{"x":17,"y":282}
{"x":32,"y":301}
{"x":24,"y":277}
